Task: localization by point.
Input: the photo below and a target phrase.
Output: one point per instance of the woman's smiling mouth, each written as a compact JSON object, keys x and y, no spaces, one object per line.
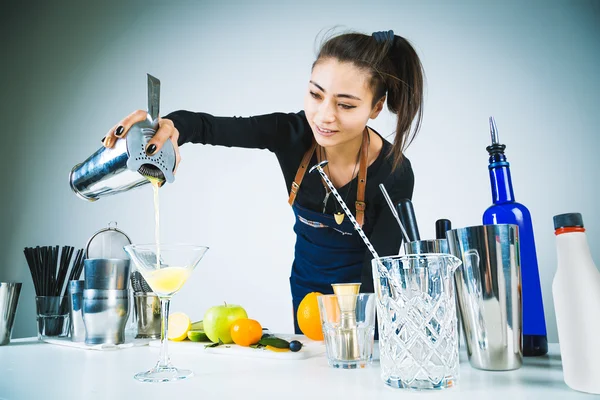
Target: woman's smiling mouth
{"x":325,"y":132}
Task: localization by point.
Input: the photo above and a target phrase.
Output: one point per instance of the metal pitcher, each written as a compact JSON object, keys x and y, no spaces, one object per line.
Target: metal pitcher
{"x":126,"y":165}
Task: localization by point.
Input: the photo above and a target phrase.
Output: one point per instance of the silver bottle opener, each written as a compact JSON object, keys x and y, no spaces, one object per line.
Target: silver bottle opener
{"x":126,"y":165}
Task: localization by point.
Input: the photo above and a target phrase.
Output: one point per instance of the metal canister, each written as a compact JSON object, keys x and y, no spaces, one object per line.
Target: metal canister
{"x":125,"y":166}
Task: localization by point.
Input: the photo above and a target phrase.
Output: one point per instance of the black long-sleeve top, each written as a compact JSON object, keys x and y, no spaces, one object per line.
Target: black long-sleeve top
{"x":289,"y":136}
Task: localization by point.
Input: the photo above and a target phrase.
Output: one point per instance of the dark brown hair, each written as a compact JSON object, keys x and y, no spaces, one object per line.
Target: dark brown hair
{"x":395,"y":70}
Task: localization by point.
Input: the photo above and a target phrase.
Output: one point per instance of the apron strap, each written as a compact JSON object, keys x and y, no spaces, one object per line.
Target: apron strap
{"x":300,"y":174}
{"x":360,"y":204}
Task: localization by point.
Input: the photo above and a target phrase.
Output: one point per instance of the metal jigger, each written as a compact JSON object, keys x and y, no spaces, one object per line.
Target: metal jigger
{"x":348,"y":340}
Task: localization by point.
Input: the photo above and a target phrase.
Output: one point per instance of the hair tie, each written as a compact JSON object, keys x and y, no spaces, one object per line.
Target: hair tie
{"x":383,"y":36}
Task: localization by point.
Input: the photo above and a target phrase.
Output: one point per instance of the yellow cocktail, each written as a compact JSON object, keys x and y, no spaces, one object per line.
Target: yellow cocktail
{"x":167,"y":281}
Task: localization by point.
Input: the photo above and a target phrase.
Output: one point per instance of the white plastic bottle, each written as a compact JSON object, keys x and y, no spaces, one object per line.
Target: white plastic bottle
{"x":576,"y":291}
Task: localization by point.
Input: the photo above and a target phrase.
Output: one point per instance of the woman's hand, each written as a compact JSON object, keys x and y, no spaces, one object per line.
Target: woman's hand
{"x":166,"y":130}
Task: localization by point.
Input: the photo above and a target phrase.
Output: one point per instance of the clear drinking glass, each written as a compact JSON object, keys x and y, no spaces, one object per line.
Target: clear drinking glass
{"x":416,"y":308}
{"x":166,"y":268}
{"x":348,"y":327}
{"x":52,"y":316}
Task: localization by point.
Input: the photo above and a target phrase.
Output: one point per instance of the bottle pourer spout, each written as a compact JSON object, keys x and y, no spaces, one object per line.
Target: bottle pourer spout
{"x":494,"y":131}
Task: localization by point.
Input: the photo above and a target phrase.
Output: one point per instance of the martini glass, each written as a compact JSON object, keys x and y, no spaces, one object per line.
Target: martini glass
{"x":165,"y":274}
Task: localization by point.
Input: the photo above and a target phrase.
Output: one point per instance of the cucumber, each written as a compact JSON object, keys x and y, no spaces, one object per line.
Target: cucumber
{"x":274,"y":342}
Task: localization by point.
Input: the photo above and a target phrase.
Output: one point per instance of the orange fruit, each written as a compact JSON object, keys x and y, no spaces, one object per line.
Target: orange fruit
{"x":332,"y":310}
{"x":245,"y":331}
{"x":309,"y":318}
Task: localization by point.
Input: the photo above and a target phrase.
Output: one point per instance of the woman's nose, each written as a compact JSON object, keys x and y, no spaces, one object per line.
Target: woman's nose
{"x":325,"y":113}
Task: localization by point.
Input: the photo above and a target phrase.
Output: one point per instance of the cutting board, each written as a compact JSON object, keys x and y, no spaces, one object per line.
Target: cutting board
{"x":310,"y":348}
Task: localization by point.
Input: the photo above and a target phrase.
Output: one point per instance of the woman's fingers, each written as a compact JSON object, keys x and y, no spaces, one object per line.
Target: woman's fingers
{"x":120,"y":130}
{"x":166,"y":130}
{"x":176,"y":147}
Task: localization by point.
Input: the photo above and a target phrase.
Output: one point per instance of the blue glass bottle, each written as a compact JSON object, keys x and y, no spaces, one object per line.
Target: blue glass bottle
{"x":506,"y":210}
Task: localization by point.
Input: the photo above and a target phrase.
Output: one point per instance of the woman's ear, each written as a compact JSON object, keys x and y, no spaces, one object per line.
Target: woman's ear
{"x":377,"y":108}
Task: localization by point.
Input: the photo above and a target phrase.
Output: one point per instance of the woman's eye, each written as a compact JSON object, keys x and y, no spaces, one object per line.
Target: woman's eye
{"x":315,"y":95}
{"x":346,"y":106}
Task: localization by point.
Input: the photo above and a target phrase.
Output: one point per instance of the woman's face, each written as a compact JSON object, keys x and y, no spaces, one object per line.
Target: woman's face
{"x":338,"y":102}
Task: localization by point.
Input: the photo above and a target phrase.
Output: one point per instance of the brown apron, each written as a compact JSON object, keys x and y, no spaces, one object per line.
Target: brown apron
{"x":362,"y":176}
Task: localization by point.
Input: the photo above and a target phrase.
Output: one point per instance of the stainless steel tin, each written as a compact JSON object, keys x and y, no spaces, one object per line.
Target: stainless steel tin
{"x":105,"y":314}
{"x":9,"y":298}
{"x":489,"y":296}
{"x":106,"y":274}
{"x":148,"y":314}
{"x":439,"y":246}
{"x":76,"y":305}
{"x":116,"y":170}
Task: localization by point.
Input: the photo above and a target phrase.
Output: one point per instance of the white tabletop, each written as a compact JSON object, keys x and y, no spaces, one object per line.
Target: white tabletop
{"x":33,"y":370}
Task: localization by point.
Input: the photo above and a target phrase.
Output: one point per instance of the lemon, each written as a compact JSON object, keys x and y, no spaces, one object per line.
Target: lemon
{"x":276,"y":349}
{"x":179,"y":325}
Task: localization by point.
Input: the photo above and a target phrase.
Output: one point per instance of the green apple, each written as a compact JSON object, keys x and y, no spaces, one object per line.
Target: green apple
{"x":218,"y":320}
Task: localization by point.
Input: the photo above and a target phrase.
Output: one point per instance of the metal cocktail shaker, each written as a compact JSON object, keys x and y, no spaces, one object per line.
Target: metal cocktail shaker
{"x":489,"y":294}
{"x":126,"y":165}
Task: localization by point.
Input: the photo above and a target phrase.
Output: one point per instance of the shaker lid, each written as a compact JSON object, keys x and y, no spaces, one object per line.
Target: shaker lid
{"x":108,"y":243}
{"x":568,"y":220}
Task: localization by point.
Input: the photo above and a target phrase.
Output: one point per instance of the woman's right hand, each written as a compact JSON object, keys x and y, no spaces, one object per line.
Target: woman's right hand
{"x":166,"y":131}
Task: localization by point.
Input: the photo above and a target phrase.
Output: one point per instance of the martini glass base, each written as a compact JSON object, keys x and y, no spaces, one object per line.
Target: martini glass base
{"x":163,"y":374}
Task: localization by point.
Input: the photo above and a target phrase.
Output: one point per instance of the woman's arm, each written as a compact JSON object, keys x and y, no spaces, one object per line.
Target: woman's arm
{"x":271,"y":131}
{"x":275,"y":132}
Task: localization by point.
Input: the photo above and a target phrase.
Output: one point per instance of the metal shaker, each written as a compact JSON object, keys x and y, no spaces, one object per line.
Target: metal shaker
{"x":489,"y":294}
{"x":76,"y":303}
{"x":105,"y":314}
{"x":126,"y":165}
{"x":9,"y":298}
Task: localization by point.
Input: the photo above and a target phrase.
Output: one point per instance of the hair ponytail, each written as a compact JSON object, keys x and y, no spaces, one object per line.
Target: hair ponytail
{"x":396,"y":71}
{"x":404,"y":94}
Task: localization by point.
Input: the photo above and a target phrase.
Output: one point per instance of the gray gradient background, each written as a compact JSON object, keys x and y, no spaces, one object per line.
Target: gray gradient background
{"x":70,"y":71}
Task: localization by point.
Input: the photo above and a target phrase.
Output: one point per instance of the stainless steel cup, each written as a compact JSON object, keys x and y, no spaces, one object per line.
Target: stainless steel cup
{"x":106,"y":274}
{"x":147,"y":311}
{"x":489,"y":295}
{"x":9,"y":297}
{"x":76,"y":305}
{"x":105,"y":314}
{"x":439,"y":246}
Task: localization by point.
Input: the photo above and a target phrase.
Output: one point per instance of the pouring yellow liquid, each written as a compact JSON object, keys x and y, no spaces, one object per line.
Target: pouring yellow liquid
{"x":155,"y":186}
{"x":167,"y":280}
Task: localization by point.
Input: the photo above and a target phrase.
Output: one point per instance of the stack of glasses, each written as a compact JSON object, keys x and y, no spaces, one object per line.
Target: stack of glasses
{"x":105,"y":300}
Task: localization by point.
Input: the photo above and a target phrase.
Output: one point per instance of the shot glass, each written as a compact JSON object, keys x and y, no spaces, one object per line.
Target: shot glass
{"x":348,"y":323}
{"x":52,"y":316}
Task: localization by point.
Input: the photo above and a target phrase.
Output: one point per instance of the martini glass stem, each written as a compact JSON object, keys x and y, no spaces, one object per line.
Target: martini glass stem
{"x":164,"y":360}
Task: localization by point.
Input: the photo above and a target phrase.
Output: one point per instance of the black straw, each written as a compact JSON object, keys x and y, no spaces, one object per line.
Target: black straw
{"x":50,"y":265}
